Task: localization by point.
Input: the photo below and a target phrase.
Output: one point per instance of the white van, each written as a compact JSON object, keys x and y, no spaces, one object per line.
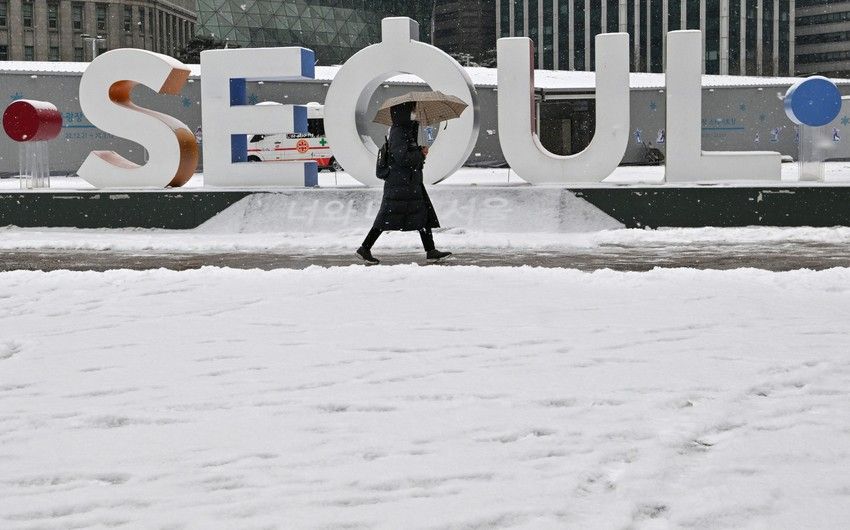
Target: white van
{"x":291,"y":147}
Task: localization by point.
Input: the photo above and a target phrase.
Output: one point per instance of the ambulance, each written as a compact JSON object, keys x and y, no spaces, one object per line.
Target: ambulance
{"x":291,"y":147}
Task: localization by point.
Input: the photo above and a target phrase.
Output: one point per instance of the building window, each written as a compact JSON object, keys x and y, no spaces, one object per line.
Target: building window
{"x":141,"y":21}
{"x":4,"y":53}
{"x":656,"y":35}
{"x":26,"y":14}
{"x":160,"y":27}
{"x":128,"y":18}
{"x":734,"y":38}
{"x":4,"y":9}
{"x":53,"y":15}
{"x":77,"y":17}
{"x":674,"y":19}
{"x":53,"y":53}
{"x":826,"y":18}
{"x":78,"y":54}
{"x":824,"y":57}
{"x":693,"y":18}
{"x":100,"y":16}
{"x":579,"y":51}
{"x":29,"y":53}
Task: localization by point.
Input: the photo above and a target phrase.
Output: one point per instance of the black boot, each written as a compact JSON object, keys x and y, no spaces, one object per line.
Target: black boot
{"x":436,"y":255}
{"x":366,"y":255}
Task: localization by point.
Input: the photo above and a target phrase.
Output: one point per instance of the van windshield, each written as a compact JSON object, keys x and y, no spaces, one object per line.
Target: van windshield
{"x":316,"y":126}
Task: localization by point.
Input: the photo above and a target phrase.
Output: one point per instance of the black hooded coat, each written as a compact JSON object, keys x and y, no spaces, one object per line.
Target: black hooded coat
{"x":405,"y":205}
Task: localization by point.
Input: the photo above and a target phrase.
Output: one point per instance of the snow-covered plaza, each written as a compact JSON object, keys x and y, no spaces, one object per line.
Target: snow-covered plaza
{"x":317,"y":265}
{"x":424,"y":397}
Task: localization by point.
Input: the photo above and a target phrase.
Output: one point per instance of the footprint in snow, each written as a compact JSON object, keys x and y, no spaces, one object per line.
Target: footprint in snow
{"x":9,"y":349}
{"x":649,"y":511}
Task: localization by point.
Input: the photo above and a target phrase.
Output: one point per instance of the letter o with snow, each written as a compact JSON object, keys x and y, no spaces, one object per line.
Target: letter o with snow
{"x":106,"y":99}
{"x":354,"y":86}
{"x":228,"y":118}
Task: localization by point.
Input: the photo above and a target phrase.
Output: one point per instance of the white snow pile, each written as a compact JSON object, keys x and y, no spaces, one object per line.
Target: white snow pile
{"x":424,"y":397}
{"x":510,"y":210}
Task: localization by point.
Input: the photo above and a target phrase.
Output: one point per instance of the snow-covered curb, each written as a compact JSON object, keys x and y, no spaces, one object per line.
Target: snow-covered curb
{"x":203,"y":240}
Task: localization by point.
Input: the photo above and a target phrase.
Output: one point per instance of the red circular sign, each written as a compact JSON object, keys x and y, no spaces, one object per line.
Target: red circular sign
{"x":302,"y":146}
{"x":32,"y":121}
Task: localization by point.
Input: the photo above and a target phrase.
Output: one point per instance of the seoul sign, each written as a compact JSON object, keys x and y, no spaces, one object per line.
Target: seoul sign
{"x":106,"y":87}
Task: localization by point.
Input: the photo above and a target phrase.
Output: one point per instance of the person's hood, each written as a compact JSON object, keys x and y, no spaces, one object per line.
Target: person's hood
{"x":401,"y":114}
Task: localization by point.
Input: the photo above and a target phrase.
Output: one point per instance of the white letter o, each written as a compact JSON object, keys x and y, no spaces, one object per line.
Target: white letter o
{"x":356,"y":82}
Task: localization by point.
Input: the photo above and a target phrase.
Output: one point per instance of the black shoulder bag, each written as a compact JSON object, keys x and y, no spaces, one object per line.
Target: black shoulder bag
{"x":382,"y":167}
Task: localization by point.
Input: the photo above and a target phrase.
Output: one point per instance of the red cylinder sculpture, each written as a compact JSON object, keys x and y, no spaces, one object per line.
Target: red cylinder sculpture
{"x":27,"y":120}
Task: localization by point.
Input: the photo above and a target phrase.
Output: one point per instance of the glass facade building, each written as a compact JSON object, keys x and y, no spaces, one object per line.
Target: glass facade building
{"x":334,"y":29}
{"x":465,"y":28}
{"x":65,"y":30}
{"x":823,"y":37}
{"x":741,"y":37}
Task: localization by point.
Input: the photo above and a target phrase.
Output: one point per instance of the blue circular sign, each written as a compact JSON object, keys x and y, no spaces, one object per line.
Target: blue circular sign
{"x":814,"y":101}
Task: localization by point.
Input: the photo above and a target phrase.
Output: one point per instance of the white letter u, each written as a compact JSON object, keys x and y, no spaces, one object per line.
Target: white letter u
{"x":517,"y":135}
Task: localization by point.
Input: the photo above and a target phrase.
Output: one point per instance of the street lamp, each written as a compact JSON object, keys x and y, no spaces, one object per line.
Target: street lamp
{"x":94,"y":41}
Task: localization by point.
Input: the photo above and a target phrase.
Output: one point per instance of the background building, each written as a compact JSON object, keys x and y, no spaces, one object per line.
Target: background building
{"x":464,"y":28}
{"x":63,"y":30}
{"x":746,"y":37}
{"x":334,"y":29}
{"x":823,"y":37}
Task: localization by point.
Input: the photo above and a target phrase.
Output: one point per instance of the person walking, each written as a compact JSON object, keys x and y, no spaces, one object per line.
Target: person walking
{"x":405,"y":205}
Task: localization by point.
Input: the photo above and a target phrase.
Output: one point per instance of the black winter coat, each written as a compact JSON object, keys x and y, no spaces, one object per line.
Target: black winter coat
{"x":405,"y":205}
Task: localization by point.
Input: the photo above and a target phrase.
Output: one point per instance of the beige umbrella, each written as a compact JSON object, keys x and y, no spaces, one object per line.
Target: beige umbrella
{"x":431,"y":107}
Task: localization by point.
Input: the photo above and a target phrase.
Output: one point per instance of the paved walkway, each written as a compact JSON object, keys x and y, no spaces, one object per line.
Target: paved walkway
{"x":777,"y":257}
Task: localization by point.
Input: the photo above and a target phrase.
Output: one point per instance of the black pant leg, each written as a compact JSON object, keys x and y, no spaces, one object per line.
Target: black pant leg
{"x":427,"y":239}
{"x":371,"y":237}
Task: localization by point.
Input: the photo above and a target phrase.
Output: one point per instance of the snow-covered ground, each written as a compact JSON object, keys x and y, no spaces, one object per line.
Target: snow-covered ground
{"x":425,"y":397}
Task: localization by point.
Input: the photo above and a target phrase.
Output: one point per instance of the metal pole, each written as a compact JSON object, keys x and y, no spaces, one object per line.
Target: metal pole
{"x":743,"y":41}
{"x":792,"y":28}
{"x":556,"y":51}
{"x":648,"y":37}
{"x":702,"y":28}
{"x":759,"y":37}
{"x":498,"y":19}
{"x":665,"y":28}
{"x":525,"y":29}
{"x":724,"y":37}
{"x":588,"y":57}
{"x":572,"y":35}
{"x":637,"y":17}
{"x":776,"y":38}
{"x":541,"y":36}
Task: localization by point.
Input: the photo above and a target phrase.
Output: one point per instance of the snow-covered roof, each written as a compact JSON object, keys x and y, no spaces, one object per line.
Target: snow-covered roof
{"x":566,"y":80}
{"x":58,"y":67}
